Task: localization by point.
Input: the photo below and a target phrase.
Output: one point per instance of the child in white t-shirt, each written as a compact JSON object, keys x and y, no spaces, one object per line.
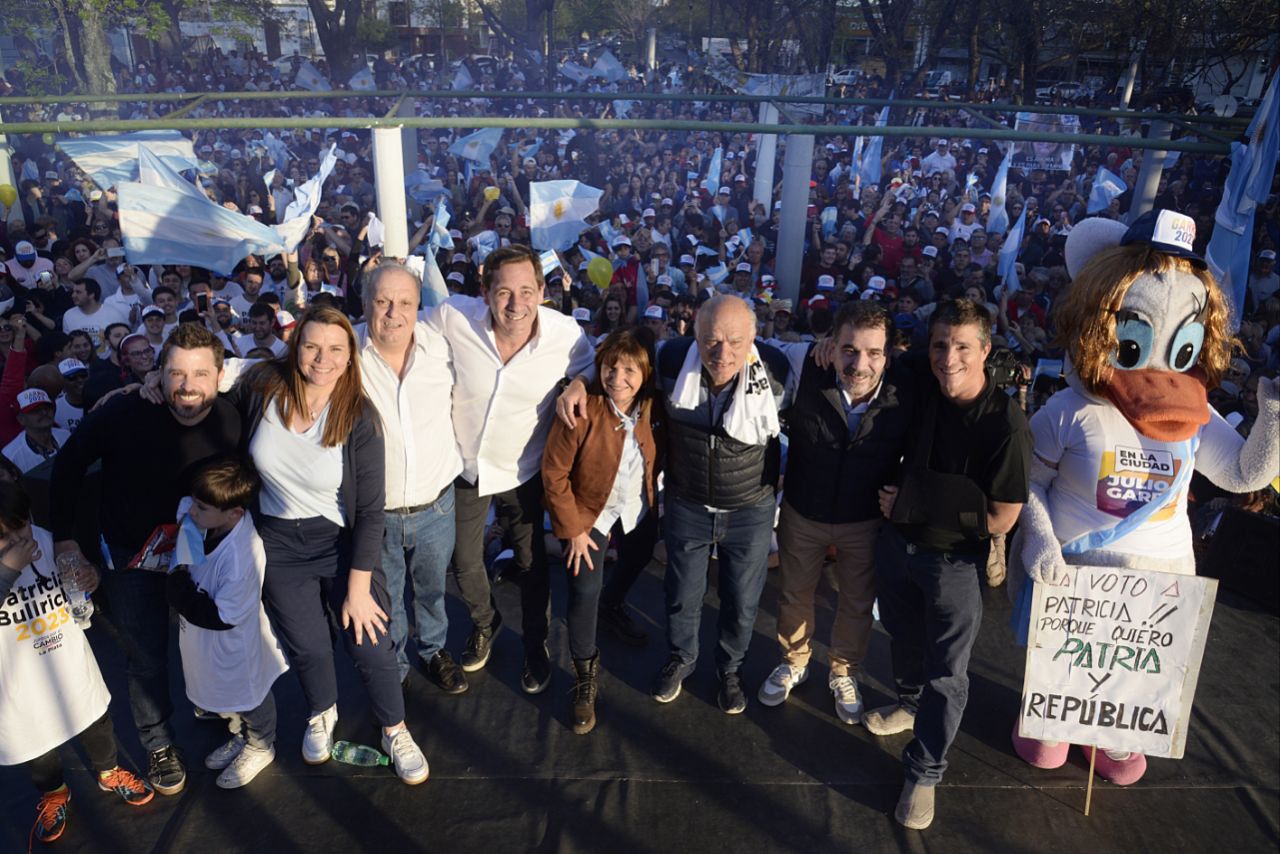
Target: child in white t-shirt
{"x":230,"y":656}
{"x":51,"y":690}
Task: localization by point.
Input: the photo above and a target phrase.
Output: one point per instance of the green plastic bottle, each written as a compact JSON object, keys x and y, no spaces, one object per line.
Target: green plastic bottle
{"x":358,"y":754}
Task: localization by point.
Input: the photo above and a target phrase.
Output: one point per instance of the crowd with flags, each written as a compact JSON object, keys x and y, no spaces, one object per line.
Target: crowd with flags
{"x":111,"y":243}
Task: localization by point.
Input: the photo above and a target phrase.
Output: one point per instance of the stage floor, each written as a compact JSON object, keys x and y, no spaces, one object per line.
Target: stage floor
{"x":508,"y":775}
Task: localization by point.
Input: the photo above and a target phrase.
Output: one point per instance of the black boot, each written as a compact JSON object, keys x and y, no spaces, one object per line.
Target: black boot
{"x":587,"y":670}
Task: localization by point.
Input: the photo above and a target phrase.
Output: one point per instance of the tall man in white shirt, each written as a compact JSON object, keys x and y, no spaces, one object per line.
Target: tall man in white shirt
{"x":405,"y":367}
{"x":509,"y":356}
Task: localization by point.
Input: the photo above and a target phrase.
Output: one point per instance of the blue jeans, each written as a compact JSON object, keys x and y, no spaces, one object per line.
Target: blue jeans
{"x":140,"y":613}
{"x":931,"y":605}
{"x":419,"y":545}
{"x":741,"y":538}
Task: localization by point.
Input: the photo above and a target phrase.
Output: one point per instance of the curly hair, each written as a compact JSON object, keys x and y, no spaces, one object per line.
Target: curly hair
{"x":1086,"y":317}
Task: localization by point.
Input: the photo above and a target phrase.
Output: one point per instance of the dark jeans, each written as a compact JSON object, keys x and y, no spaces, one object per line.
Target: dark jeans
{"x":635,"y":550}
{"x":931,"y":605}
{"x":308,"y":564}
{"x":741,"y":538}
{"x":258,"y":726}
{"x":98,"y":740}
{"x":140,"y":613}
{"x":416,"y":549}
{"x":520,"y":510}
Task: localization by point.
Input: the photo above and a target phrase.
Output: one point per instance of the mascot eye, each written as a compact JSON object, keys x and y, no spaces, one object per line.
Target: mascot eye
{"x":1134,"y":344}
{"x":1185,"y":349}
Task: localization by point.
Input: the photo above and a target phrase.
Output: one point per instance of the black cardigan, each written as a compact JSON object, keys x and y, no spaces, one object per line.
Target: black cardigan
{"x":363,"y":488}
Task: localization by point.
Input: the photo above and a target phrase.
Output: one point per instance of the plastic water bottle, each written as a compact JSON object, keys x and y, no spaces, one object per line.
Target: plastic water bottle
{"x":358,"y":754}
{"x":78,"y":601}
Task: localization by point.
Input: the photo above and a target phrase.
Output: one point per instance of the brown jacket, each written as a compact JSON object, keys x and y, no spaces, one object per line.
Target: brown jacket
{"x":579,"y":465}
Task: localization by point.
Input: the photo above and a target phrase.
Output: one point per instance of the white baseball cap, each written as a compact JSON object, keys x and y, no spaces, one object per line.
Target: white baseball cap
{"x":29,"y":399}
{"x":582,"y":315}
{"x":657,"y":312}
{"x":826,"y":283}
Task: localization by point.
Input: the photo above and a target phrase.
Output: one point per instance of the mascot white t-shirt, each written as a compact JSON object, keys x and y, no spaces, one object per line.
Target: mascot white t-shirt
{"x":1108,"y":470}
{"x":50,"y":687}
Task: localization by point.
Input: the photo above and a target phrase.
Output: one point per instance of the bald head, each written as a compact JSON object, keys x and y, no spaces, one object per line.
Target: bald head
{"x":725,"y":329}
{"x":48,"y":379}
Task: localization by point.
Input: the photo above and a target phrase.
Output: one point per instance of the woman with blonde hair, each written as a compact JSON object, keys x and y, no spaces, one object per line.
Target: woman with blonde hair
{"x":317,"y":442}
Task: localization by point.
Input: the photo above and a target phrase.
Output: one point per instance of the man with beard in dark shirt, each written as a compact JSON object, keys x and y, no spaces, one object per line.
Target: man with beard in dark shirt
{"x":148,"y":454}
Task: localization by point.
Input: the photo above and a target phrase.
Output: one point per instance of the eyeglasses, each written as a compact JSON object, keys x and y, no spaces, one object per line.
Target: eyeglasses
{"x":133,"y":354}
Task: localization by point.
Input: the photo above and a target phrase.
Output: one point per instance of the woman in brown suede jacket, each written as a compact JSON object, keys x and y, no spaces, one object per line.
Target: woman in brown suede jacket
{"x":601,"y":476}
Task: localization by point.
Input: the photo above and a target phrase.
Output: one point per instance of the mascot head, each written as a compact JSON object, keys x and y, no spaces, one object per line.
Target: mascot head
{"x":1144,"y":322}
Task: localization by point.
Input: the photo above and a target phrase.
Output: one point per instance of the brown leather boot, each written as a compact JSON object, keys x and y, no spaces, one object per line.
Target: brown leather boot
{"x":587,"y":671}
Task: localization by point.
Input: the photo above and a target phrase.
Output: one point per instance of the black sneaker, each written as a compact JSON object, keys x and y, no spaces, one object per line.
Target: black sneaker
{"x":615,"y":621}
{"x":731,"y":698}
{"x":447,"y":676}
{"x":166,"y":772}
{"x":537,"y":670}
{"x":480,"y":645}
{"x":672,"y":675}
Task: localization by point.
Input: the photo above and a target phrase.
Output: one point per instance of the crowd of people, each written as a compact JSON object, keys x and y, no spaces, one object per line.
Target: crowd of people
{"x":298,"y":437}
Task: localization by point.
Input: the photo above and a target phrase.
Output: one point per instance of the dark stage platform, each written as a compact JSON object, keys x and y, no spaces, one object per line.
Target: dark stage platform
{"x":507,"y":774}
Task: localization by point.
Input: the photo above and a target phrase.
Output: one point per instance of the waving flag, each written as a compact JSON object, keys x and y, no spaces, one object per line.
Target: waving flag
{"x":558,"y":211}
{"x":434,"y":291}
{"x":575,"y":72}
{"x":376,"y":234}
{"x":711,"y":183}
{"x":422,"y":188}
{"x":155,"y":172}
{"x":873,"y":153}
{"x":310,"y":78}
{"x":998,"y":216}
{"x":484,"y":243}
{"x":440,"y":237}
{"x":1248,"y":185}
{"x":362,"y":81}
{"x":462,"y":80}
{"x":296,"y":221}
{"x":717,"y":274}
{"x":608,"y":232}
{"x":162,"y":225}
{"x":278,"y":151}
{"x":1106,"y":186}
{"x":477,"y":146}
{"x":1007,"y":263}
{"x":609,"y":69}
{"x":622,"y":109}
{"x":109,"y":160}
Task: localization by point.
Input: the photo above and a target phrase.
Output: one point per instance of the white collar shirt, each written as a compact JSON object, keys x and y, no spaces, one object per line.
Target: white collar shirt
{"x":421,"y":451}
{"x":502,"y":412}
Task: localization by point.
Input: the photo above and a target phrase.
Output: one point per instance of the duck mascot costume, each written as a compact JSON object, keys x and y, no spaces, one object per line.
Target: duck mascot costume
{"x":1147,"y":332}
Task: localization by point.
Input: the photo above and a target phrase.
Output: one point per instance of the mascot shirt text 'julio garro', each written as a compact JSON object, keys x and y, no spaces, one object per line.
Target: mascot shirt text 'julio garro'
{"x":1147,"y":332}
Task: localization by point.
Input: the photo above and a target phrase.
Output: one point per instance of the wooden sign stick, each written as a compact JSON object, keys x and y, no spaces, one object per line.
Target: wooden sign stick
{"x":1088,"y":792}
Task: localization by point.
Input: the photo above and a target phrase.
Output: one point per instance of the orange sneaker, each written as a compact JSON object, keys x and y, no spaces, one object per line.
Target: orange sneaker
{"x":51,"y":815}
{"x":133,"y":789}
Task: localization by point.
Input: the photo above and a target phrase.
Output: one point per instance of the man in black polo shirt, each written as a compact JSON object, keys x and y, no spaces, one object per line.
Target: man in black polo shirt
{"x":148,"y":453}
{"x":847,"y":427}
{"x":964,"y":478}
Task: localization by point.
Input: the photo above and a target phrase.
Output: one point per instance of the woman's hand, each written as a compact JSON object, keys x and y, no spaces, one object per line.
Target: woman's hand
{"x":20,"y":550}
{"x":360,"y":612}
{"x":580,"y":548}
{"x":150,"y":390}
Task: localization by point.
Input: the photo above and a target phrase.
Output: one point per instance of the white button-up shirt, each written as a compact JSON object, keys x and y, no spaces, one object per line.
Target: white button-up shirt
{"x":502,"y":413}
{"x":627,"y":500}
{"x":422,"y":453}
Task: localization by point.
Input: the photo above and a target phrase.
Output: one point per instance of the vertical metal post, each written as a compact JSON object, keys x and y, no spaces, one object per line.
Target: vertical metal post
{"x":409,"y":142}
{"x":1144,"y":192}
{"x":651,"y":49}
{"x":797,"y":167}
{"x":765,"y":156}
{"x":388,"y":172}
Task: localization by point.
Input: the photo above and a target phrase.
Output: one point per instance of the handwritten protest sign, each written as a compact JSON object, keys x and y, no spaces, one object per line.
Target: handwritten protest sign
{"x":1113,"y":656}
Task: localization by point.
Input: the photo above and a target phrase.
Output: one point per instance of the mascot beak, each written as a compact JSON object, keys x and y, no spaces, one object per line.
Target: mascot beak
{"x":1163,"y":405}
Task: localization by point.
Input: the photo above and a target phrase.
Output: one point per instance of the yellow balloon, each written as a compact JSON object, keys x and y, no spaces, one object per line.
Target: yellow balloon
{"x":599,"y":271}
{"x":8,"y":195}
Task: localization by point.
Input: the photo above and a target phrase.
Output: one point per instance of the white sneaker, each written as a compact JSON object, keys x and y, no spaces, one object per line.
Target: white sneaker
{"x":777,"y":687}
{"x":406,"y":756}
{"x":247,"y":764}
{"x":317,"y":744}
{"x":848,"y":703}
{"x":225,"y":755}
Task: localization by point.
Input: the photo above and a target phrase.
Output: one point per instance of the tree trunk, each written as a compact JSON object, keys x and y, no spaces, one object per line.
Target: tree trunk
{"x":336,"y":29}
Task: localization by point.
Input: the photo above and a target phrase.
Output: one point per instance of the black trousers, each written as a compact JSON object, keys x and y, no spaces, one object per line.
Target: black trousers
{"x":99,"y":741}
{"x":635,"y":550}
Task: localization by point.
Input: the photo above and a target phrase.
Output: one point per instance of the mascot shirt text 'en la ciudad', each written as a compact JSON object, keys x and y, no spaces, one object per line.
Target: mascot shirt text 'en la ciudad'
{"x":1147,"y":332}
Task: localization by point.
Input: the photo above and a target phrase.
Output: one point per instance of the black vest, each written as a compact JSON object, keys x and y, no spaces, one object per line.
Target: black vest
{"x":833,"y":477}
{"x":705,"y":465}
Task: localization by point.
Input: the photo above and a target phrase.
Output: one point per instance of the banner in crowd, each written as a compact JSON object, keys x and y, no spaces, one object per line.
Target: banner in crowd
{"x":1049,"y":156}
{"x":110,"y":160}
{"x":801,"y":85}
{"x":558,"y":211}
{"x":1113,"y":655}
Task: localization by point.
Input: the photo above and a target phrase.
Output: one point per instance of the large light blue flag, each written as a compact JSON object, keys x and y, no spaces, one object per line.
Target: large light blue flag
{"x":162,"y":225}
{"x":477,"y":146}
{"x":1106,"y":186}
{"x":363,"y":81}
{"x":998,"y":216}
{"x":873,"y":153}
{"x":1007,"y":263}
{"x":575,"y":72}
{"x":558,"y":211}
{"x":110,"y":160}
{"x":711,"y":183}
{"x":296,"y":222}
{"x":1248,"y":185}
{"x":608,"y":68}
{"x":309,"y":77}
{"x":155,"y":172}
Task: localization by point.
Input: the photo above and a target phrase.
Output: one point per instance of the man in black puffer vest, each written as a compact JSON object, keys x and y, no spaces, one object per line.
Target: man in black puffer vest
{"x":847,"y":428}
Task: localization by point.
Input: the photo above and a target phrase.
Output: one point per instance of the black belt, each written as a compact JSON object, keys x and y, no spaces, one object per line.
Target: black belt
{"x":409,"y":511}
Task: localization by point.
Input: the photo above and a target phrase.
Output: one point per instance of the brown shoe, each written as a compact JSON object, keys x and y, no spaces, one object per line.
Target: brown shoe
{"x":585,"y":690}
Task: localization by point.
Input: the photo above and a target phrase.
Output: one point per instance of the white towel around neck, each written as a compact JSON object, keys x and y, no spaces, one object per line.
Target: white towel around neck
{"x":752,"y":414}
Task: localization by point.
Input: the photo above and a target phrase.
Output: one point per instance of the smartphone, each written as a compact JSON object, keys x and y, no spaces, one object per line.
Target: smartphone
{"x":115,"y":252}
{"x":202,"y":302}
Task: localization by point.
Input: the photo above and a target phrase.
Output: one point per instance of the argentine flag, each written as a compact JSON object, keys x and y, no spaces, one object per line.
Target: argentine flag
{"x":440,"y":237}
{"x":477,"y":146}
{"x":608,"y":68}
{"x":362,"y":81}
{"x":1007,"y":263}
{"x":575,"y":72}
{"x":998,"y":216}
{"x":310,"y":78}
{"x":296,"y":221}
{"x":558,"y":211}
{"x":873,"y":153}
{"x":711,"y":183}
{"x":109,"y":160}
{"x":1106,"y":186}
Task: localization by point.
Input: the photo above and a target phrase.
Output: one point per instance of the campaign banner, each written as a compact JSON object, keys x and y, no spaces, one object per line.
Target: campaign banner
{"x":1113,"y":656}
{"x":1049,"y":156}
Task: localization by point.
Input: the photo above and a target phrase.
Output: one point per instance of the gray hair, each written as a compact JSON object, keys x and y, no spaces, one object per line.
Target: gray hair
{"x":371,"y":283}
